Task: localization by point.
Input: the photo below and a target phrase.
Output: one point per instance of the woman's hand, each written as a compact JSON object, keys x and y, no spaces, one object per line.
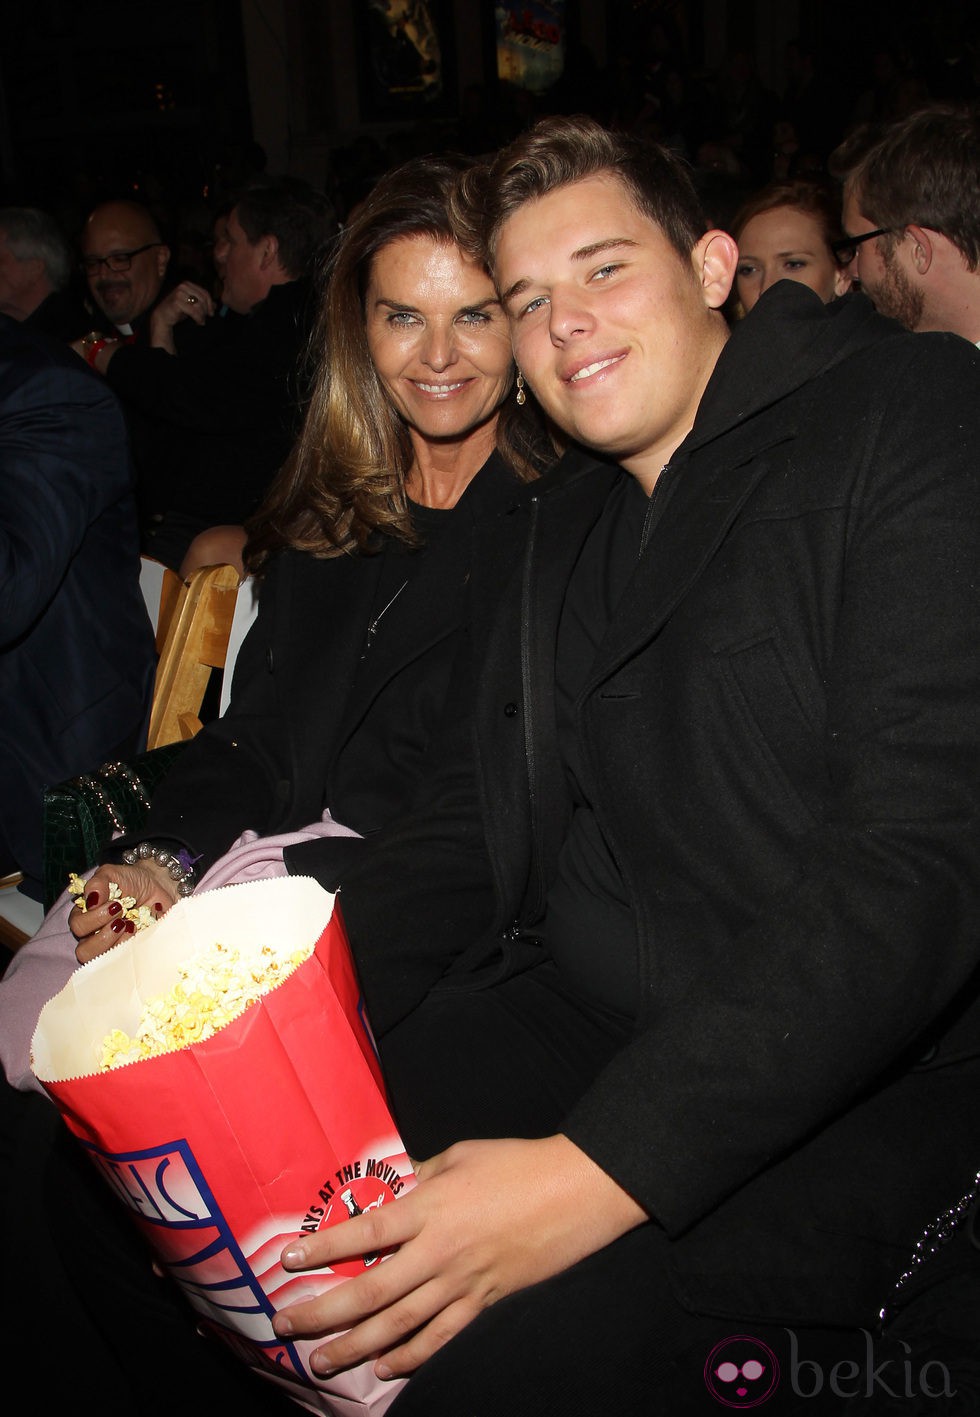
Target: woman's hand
{"x":187,"y":301}
{"x":101,"y":924}
{"x":485,"y":1219}
{"x":103,"y":346}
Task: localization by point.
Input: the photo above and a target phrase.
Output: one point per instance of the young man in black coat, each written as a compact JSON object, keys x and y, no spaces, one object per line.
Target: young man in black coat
{"x":691,"y":919}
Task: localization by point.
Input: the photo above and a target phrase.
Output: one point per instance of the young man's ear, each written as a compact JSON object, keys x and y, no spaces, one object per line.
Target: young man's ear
{"x":715,"y":259}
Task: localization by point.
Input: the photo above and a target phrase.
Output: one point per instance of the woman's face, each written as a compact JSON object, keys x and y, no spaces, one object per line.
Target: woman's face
{"x":438,"y":338}
{"x":786,"y":243}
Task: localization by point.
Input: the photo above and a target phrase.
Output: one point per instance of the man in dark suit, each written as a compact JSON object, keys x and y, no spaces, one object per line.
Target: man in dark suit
{"x":691,"y":916}
{"x":76,"y":647}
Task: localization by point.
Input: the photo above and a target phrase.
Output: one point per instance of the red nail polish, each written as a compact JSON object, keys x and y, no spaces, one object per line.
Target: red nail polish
{"x":114,"y":907}
{"x":118,"y":925}
{"x":130,"y":928}
{"x":91,"y":900}
{"x":158,"y":908}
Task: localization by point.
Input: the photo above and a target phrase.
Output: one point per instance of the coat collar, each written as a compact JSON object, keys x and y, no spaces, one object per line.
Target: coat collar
{"x":431,"y":605}
{"x":754,"y":402}
{"x":790,"y":338}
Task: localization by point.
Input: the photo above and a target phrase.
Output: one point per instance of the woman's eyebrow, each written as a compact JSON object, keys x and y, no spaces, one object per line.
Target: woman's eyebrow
{"x":482,"y":304}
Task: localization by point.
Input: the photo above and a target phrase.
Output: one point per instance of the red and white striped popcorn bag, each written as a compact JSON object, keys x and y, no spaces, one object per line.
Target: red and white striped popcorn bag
{"x":224,"y":1149}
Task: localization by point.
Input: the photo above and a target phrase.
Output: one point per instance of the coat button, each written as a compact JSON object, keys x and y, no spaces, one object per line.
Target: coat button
{"x":268,"y":659}
{"x":510,"y":710}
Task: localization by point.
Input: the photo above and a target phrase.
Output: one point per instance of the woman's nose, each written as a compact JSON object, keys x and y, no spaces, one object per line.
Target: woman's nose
{"x":440,"y":347}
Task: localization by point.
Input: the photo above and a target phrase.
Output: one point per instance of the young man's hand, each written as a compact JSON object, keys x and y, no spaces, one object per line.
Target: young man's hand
{"x":486,"y":1218}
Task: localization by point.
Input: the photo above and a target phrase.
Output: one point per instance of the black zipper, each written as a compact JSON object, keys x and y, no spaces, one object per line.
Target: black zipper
{"x":654,"y":508}
{"x":529,"y":711}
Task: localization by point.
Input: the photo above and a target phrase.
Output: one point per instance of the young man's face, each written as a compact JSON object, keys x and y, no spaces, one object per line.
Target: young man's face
{"x":615,"y":332}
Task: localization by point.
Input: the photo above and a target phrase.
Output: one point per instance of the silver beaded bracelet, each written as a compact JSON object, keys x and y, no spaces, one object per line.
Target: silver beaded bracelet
{"x":179,"y":867}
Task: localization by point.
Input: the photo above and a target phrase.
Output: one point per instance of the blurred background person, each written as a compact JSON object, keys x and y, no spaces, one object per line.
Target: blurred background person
{"x":787,"y":231}
{"x":912,"y":216}
{"x":221,"y":400}
{"x":76,"y":648}
{"x":36,"y":274}
{"x":125,"y":260}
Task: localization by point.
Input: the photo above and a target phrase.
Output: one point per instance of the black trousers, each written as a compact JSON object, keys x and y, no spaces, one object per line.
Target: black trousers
{"x":607,"y":1336}
{"x":604,"y":1337}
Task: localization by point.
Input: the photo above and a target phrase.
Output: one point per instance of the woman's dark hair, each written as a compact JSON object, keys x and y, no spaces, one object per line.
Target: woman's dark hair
{"x":344,"y":482}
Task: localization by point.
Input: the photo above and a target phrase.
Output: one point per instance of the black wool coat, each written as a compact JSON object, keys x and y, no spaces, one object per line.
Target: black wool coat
{"x":313,"y":725}
{"x":781,"y":741}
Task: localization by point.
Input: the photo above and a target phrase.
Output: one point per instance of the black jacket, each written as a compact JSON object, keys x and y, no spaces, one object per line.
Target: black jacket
{"x":76,"y":647}
{"x":312,"y":724}
{"x":781,"y":741}
{"x":214,"y":423}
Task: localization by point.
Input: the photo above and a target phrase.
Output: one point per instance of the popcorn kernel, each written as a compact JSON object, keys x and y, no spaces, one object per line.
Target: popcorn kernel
{"x":212,"y":990}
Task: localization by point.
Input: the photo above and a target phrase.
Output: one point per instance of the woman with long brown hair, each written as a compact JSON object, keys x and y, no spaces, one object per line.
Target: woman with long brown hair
{"x":417,"y":430}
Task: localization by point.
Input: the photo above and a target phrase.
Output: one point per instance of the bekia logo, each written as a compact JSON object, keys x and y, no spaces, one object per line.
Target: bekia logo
{"x":741,"y":1372}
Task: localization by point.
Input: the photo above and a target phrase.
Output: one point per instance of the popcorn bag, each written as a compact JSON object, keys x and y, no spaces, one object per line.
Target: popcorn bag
{"x":226,"y":1148}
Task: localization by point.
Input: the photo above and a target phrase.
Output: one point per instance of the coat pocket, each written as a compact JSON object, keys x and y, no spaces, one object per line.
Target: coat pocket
{"x":781,"y":715}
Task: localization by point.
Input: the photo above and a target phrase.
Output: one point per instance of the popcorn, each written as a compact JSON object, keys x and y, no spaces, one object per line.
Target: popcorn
{"x":141,"y":915}
{"x":212,"y":989}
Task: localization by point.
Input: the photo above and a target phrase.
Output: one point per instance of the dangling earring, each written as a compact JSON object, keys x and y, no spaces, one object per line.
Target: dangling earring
{"x":521,"y":395}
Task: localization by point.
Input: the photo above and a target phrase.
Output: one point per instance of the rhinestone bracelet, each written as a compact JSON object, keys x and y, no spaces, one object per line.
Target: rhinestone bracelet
{"x":179,"y":867}
{"x":935,"y":1235}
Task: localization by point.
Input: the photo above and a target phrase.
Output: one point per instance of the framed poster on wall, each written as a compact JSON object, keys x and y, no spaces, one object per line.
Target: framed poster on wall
{"x":531,"y":40}
{"x":406,"y":59}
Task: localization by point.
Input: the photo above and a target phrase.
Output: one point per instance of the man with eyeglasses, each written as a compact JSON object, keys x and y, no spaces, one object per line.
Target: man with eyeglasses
{"x":912,"y":215}
{"x":125,"y":262}
{"x":213,"y":402}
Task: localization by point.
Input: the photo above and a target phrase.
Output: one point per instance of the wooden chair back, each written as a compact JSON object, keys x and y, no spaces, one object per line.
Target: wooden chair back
{"x":196,"y":643}
{"x":161,"y":589}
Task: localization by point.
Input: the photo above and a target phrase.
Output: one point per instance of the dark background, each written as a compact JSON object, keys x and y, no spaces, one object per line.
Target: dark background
{"x":176,"y":101}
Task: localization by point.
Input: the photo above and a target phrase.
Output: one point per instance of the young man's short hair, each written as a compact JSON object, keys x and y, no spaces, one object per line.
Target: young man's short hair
{"x":561,"y":150}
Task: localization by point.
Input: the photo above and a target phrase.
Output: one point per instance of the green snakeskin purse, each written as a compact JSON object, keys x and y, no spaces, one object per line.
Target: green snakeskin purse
{"x":82,"y":814}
